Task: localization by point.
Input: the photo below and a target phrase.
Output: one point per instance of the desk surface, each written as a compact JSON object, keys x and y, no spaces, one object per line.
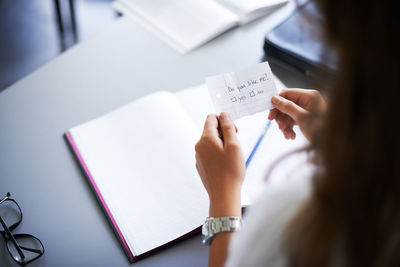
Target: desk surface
{"x":119,"y":65}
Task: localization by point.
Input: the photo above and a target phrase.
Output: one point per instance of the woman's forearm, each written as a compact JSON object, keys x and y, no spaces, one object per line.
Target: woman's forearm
{"x":219,"y":249}
{"x":220,"y":207}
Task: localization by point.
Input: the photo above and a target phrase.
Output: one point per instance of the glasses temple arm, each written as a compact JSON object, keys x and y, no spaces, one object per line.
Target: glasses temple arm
{"x":21,"y":254}
{"x":38,"y":251}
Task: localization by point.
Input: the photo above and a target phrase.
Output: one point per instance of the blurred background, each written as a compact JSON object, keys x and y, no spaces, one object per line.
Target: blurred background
{"x":33,"y":32}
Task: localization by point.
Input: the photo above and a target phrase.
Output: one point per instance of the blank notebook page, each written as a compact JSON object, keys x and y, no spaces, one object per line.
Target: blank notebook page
{"x":141,"y":157}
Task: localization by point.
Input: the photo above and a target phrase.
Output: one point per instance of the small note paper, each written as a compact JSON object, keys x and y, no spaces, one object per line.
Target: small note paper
{"x":244,"y":92}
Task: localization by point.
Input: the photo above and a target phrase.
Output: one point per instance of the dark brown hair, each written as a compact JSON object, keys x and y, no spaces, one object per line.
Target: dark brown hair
{"x":353,"y":215}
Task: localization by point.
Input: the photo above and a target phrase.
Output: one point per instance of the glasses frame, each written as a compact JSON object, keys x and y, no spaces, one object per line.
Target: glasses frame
{"x":10,"y":237}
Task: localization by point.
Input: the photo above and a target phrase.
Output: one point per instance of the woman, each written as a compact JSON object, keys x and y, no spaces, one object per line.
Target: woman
{"x":348,"y":215}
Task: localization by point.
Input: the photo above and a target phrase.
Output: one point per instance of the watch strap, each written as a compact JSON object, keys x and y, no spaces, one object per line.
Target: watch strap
{"x":213,"y":226}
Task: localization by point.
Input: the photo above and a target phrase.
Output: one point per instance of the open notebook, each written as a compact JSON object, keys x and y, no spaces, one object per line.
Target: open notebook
{"x":139,"y":160}
{"x":185,"y":25}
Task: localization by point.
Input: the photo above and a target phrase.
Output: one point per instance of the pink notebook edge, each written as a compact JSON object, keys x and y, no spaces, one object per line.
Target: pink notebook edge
{"x":111,"y":219}
{"x":99,"y":196}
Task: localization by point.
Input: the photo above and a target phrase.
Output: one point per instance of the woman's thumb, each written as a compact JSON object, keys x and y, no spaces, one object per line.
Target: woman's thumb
{"x":288,"y":107}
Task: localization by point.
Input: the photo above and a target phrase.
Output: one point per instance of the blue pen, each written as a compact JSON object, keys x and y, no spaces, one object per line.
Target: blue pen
{"x":258,"y":143}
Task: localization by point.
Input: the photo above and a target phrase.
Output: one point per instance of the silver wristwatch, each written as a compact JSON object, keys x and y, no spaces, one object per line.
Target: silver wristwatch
{"x":213,"y":226}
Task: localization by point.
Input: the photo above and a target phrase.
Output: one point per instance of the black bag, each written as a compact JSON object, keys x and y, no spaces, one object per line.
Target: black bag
{"x":296,"y":43}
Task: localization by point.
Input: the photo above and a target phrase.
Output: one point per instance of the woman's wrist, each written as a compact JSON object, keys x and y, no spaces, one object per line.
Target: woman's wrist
{"x":225,"y":205}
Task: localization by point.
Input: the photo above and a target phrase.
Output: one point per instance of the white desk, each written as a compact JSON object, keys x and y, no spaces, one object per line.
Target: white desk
{"x":36,"y":165}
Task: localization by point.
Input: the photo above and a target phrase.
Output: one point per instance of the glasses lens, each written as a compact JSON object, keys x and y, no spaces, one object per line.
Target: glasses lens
{"x":31,"y":248}
{"x":10,"y":213}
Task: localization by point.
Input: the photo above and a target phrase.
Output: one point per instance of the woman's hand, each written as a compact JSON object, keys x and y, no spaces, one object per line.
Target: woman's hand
{"x":220,"y":164}
{"x":303,"y":107}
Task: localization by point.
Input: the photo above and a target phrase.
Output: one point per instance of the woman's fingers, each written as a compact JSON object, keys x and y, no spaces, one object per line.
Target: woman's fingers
{"x":296,"y":93}
{"x":290,"y":132}
{"x":309,"y":99}
{"x":228,"y":129}
{"x":288,"y":107}
{"x":272,"y":114}
{"x":286,"y":124}
{"x":280,"y":119}
{"x":211,"y":125}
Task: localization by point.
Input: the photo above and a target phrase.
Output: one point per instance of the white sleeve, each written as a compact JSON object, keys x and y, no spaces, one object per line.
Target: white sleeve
{"x":259,"y":242}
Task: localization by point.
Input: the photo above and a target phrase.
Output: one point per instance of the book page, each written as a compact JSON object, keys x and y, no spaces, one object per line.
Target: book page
{"x":249,"y":10}
{"x":247,"y":6}
{"x":189,"y":23}
{"x":244,"y":92}
{"x":141,"y":157}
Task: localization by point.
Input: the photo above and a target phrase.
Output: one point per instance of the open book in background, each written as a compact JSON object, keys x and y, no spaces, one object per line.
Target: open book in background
{"x":140,"y":162}
{"x":186,"y":25}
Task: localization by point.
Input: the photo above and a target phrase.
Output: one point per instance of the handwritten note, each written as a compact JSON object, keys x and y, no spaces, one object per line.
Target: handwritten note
{"x":244,"y":92}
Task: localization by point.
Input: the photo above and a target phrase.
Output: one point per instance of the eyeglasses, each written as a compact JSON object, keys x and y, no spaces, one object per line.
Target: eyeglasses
{"x":23,"y":248}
